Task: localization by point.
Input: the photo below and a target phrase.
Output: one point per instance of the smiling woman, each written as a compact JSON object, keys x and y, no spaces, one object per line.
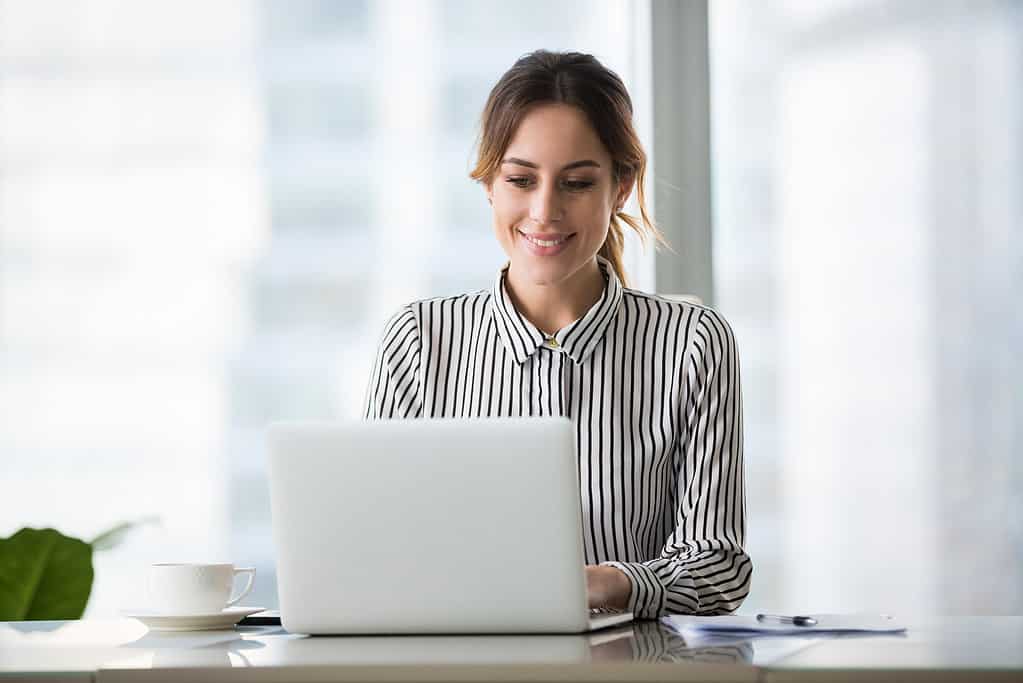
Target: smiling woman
{"x":552,"y":217}
{"x":549,"y":105}
{"x":651,"y":385}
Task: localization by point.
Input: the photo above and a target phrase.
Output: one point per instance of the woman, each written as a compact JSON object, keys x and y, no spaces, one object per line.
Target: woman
{"x":652,"y":385}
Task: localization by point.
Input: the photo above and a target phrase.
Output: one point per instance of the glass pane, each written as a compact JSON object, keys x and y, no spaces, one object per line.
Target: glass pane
{"x":867,"y":165}
{"x":207,"y":213}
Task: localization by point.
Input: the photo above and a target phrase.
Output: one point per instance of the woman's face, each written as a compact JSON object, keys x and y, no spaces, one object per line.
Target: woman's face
{"x":553,"y":195}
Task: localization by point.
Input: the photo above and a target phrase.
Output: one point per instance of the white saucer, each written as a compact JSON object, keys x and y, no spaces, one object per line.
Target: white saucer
{"x":203,"y":621}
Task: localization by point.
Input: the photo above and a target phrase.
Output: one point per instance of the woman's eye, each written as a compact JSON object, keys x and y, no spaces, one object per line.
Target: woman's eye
{"x":571,"y":185}
{"x":576,"y":185}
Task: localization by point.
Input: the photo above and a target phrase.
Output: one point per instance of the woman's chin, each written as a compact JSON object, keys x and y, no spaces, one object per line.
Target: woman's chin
{"x":541,"y":274}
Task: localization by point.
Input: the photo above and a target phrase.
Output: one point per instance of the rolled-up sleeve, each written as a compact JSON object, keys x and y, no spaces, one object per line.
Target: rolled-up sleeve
{"x":393,"y":390}
{"x":703,"y":567}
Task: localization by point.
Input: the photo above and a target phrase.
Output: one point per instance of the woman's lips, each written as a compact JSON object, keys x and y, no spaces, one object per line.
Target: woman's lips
{"x":532,"y":243}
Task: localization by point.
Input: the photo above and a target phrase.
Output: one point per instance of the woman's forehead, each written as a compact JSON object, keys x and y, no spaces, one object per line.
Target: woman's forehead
{"x":555,"y":135}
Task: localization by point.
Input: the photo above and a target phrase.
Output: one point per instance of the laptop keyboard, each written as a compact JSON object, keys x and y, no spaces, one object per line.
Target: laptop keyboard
{"x":603,"y":611}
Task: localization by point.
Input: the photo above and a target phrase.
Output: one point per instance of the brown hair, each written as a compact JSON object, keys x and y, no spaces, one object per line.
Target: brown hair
{"x":581,"y":81}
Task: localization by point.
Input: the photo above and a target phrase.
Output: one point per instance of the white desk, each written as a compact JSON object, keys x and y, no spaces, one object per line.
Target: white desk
{"x":978,"y":648}
{"x":933,"y":649}
{"x":123,"y":650}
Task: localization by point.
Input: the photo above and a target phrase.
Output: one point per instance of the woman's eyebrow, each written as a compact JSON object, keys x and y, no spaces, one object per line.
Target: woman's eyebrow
{"x":530,"y":164}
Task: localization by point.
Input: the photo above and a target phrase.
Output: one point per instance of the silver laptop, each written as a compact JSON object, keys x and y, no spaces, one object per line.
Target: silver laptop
{"x":429,"y":526}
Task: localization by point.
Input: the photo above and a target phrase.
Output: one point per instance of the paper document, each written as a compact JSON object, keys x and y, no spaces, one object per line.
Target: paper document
{"x":748,"y":625}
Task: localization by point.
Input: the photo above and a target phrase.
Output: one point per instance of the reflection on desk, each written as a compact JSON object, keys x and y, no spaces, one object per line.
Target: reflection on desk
{"x":934,"y":648}
{"x":638,"y":642}
{"x":653,"y":642}
{"x":124,"y":650}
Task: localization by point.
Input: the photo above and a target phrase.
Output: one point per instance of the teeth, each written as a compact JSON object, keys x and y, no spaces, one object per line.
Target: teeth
{"x":544,"y":243}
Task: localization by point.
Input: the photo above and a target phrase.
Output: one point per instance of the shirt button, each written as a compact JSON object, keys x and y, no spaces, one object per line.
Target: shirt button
{"x":552,"y":343}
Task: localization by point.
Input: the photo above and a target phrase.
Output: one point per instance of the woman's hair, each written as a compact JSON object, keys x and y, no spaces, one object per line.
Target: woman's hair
{"x":581,"y":81}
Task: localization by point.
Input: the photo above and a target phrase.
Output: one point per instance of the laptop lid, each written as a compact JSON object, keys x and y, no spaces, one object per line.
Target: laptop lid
{"x":428,"y":526}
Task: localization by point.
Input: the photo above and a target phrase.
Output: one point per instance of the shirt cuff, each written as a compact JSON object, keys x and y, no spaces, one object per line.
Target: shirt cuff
{"x":648,"y":595}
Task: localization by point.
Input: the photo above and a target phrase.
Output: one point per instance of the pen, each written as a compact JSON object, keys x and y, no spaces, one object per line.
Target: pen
{"x":782,"y":619}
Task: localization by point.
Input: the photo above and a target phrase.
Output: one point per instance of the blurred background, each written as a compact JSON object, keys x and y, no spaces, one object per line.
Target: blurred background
{"x":208,"y":210}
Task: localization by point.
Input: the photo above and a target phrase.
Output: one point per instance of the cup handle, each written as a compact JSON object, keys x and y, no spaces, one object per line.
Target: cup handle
{"x":251,"y":571}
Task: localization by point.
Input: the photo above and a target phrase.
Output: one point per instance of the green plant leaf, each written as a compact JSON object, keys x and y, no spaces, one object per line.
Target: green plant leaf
{"x":44,"y":575}
{"x":111,"y":538}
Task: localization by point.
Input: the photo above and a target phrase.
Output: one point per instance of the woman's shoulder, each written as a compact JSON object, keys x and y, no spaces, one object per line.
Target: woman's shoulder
{"x":672,"y":303}
{"x":430,"y":310}
{"x":701,"y":317}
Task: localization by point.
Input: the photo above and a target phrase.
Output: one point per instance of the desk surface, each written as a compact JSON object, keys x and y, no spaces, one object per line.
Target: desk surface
{"x":932,"y":649}
{"x":944,"y":648}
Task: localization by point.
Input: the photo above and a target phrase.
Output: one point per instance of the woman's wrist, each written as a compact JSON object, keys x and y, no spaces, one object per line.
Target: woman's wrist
{"x":608,"y":586}
{"x":622,"y":590}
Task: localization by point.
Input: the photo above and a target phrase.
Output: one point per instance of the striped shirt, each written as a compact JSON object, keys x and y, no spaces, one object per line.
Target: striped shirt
{"x":652,"y":388}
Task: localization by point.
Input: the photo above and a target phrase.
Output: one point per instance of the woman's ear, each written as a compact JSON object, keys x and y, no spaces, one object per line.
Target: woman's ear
{"x":625,"y":186}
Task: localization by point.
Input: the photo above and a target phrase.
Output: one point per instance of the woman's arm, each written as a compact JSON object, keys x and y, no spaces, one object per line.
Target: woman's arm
{"x":393,"y":390}
{"x":703,"y":567}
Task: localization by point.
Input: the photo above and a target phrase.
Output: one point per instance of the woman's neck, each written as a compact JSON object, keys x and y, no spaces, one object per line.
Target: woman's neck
{"x":553,"y":306}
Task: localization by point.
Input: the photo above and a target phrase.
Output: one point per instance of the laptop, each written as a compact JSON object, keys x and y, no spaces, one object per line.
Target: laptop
{"x":429,"y":526}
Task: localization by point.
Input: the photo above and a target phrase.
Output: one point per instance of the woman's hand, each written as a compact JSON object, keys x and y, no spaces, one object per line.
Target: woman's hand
{"x":607,"y":586}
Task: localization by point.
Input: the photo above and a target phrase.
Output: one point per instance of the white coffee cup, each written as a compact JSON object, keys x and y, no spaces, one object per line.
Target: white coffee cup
{"x":195,"y":588}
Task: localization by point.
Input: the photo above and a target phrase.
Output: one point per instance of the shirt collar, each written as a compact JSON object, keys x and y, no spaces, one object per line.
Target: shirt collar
{"x":578,"y":339}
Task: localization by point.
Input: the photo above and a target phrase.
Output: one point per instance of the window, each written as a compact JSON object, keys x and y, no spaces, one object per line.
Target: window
{"x":207,"y":213}
{"x":867,"y":160}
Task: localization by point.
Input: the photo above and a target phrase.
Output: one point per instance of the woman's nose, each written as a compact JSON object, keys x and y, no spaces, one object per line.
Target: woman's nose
{"x":546,"y":206}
